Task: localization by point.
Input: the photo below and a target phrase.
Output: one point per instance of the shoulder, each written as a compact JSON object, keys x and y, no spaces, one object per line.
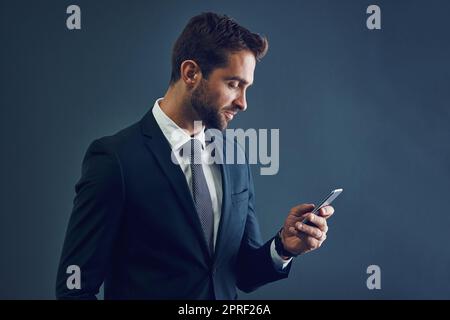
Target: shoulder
{"x":116,"y":142}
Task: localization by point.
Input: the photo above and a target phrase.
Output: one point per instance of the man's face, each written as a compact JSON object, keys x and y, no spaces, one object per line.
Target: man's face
{"x":218,"y":98}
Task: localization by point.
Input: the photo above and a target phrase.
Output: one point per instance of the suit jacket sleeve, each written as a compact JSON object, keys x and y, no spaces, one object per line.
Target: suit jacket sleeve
{"x":93,"y":224}
{"x":255,"y":265}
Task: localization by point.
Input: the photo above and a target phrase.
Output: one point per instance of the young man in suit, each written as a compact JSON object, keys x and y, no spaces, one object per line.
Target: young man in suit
{"x":149,"y":227}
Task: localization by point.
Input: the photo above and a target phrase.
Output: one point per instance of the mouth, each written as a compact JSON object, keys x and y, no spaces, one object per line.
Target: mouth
{"x":229,"y":115}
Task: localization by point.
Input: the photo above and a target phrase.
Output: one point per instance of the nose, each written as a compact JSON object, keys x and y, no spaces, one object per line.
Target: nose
{"x":241,"y":102}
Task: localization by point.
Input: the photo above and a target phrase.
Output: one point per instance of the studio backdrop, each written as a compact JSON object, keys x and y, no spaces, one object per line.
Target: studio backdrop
{"x":359,"y":91}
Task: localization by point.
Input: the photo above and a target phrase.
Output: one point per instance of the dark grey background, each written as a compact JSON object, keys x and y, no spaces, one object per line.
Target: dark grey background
{"x":364,"y":110}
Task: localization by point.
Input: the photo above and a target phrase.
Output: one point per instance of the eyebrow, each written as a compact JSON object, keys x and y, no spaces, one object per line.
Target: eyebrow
{"x":236,"y":78}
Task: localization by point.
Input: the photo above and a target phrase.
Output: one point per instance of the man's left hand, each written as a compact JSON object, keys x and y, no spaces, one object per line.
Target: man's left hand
{"x":299,"y":238}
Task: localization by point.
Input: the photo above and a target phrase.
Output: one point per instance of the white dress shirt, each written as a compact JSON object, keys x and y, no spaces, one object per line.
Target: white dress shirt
{"x":177,"y":137}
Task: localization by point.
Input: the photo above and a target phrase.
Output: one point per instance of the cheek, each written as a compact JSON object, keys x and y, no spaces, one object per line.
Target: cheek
{"x":218,"y":99}
{"x":222,"y":97}
{"x":225,"y":98}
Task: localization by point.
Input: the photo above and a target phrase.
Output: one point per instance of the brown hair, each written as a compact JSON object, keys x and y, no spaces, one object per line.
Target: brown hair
{"x":208,"y":38}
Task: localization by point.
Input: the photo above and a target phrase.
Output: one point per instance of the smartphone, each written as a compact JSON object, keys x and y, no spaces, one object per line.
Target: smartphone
{"x":325,"y":202}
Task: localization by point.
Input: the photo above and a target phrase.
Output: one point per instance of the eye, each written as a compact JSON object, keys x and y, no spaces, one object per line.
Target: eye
{"x":233,"y":84}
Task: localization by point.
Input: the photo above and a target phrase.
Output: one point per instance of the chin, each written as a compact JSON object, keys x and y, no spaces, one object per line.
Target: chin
{"x":219,"y":123}
{"x":223,"y":123}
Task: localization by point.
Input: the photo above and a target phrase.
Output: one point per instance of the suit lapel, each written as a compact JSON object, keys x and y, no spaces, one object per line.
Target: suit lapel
{"x":226,"y":202}
{"x":160,"y":148}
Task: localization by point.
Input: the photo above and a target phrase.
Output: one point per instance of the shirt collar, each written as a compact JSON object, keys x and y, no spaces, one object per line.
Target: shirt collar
{"x":175,"y":135}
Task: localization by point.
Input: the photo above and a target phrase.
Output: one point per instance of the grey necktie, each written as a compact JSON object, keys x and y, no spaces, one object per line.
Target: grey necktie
{"x":200,"y":192}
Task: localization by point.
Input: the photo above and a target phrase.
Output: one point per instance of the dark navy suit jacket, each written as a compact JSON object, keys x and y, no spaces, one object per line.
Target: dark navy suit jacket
{"x":135,"y":228}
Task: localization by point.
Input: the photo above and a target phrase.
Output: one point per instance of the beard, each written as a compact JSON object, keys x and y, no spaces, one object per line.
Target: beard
{"x":208,"y":112}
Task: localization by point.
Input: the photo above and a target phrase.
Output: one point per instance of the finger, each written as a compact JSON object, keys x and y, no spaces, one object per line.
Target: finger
{"x":316,"y":221}
{"x":326,"y":212}
{"x":302,"y":209}
{"x":313,"y":243}
{"x":308,"y":230}
{"x":293,"y":232}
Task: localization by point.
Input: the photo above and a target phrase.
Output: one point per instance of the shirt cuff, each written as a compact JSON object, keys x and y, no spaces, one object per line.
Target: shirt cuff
{"x":278,"y":261}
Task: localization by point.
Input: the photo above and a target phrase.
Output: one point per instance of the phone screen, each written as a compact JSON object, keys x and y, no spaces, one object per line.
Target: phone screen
{"x":328,"y":200}
{"x":325,"y":202}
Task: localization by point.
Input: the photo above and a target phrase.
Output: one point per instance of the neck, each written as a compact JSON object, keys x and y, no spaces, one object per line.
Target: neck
{"x":176,"y":106}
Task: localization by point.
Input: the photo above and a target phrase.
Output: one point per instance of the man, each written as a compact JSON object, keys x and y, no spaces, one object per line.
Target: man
{"x":149,"y":227}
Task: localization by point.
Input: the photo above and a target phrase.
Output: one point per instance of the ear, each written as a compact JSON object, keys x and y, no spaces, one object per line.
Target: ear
{"x":190,"y":73}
